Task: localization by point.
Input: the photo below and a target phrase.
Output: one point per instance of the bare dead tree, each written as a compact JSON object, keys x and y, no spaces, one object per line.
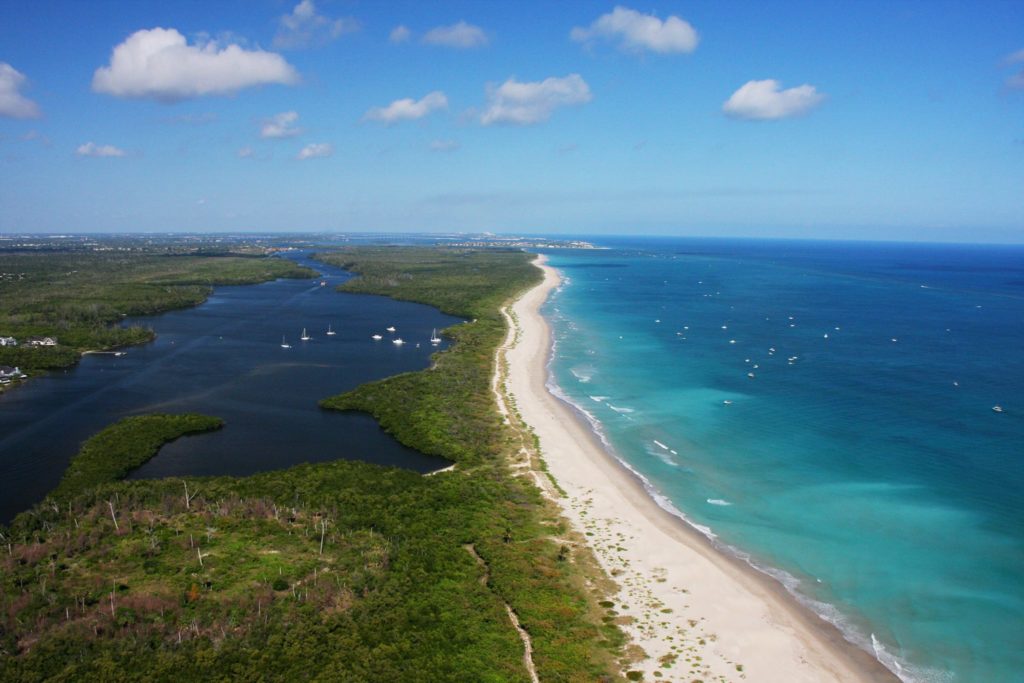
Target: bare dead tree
{"x":188,"y":498}
{"x":113,"y":516}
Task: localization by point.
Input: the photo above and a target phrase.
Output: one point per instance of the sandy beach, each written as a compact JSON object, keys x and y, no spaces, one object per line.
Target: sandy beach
{"x":696,"y":612}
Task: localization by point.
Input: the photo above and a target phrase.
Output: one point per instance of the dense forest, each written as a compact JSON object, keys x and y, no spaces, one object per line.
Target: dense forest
{"x":80,"y":297}
{"x":339,"y":571}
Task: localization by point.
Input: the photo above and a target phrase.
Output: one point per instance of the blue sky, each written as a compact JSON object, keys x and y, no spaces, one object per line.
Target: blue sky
{"x":872,"y":120}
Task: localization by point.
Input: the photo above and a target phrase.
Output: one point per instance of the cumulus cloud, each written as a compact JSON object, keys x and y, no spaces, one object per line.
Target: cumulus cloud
{"x":305,"y":28}
{"x":460,"y":35}
{"x":400,"y":34}
{"x":636,"y":32}
{"x":315,"y":151}
{"x":159,"y":64}
{"x":408,"y":109}
{"x":444,"y":145}
{"x":281,"y":126}
{"x":91,"y":149}
{"x":522,"y":104}
{"x":12,"y":102}
{"x":765,"y":100}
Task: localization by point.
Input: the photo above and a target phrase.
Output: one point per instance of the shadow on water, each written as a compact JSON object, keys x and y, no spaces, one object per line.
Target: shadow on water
{"x":224,"y":358}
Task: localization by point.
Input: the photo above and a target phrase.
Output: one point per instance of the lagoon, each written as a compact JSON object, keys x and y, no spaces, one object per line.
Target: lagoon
{"x":224,"y":358}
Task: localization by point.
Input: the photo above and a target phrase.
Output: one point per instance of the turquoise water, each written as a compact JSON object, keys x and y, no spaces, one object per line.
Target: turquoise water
{"x":863,"y":463}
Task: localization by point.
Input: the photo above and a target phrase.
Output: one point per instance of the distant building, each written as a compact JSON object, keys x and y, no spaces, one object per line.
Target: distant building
{"x":42,"y":341}
{"x":6,"y":372}
{"x":8,"y":341}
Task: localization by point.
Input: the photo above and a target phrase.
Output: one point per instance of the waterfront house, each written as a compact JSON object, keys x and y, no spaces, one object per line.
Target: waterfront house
{"x":8,"y":341}
{"x":42,"y":341}
{"x":6,"y":372}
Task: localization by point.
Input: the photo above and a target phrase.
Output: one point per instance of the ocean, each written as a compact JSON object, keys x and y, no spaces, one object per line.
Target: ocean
{"x":830,"y":412}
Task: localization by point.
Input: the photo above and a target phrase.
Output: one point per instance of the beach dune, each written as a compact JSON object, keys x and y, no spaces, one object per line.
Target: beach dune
{"x":696,"y":612}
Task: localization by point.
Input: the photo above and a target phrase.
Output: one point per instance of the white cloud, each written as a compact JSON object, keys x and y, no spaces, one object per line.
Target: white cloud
{"x":305,"y":28}
{"x":636,"y":32}
{"x":159,"y":64}
{"x":400,"y":34}
{"x":35,"y":136}
{"x":444,"y":145}
{"x":280,"y":126}
{"x":91,"y":149}
{"x":764,"y":100}
{"x":1016,"y":81}
{"x":315,"y":151}
{"x":12,"y":102}
{"x":246,"y":152}
{"x":408,"y":109}
{"x":526,"y":103}
{"x":1014,"y":58}
{"x":460,"y":35}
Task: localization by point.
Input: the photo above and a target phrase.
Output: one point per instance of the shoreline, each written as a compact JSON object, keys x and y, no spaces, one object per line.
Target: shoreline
{"x":695,"y":610}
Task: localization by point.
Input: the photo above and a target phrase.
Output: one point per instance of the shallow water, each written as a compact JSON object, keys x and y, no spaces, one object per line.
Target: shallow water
{"x":865,"y":468}
{"x":224,"y":358}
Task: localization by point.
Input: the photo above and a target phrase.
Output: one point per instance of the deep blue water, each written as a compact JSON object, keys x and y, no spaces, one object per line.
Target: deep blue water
{"x":866,"y":468}
{"x":224,"y":358}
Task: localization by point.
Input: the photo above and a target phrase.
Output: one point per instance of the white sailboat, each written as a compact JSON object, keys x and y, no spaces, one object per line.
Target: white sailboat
{"x":305,"y":336}
{"x":434,"y":339}
{"x":330,"y":332}
{"x":398,"y":341}
{"x":377,"y":337}
{"x":390,"y":328}
{"x":284,"y":343}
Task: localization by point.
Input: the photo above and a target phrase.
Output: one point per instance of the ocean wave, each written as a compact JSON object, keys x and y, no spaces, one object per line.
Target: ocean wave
{"x":661,"y":455}
{"x":617,"y":409}
{"x":583,"y":373}
{"x":719,"y":501}
{"x":599,"y":399}
{"x":907,"y":674}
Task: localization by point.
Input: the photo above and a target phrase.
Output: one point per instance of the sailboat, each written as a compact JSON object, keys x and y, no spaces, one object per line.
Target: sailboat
{"x":377,"y":337}
{"x":284,"y":343}
{"x":390,"y":328}
{"x":305,"y":337}
{"x":434,"y":339}
{"x":398,"y":341}
{"x":330,"y":332}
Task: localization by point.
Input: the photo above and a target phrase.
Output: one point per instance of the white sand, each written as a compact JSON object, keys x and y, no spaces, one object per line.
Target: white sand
{"x":717,"y":618}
